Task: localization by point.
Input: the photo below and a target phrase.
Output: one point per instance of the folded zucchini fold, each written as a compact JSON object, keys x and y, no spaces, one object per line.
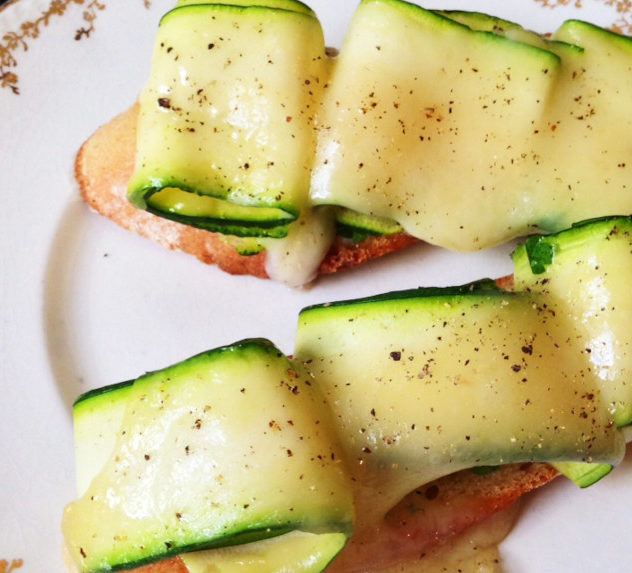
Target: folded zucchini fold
{"x":225,"y":135}
{"x":231,"y":447}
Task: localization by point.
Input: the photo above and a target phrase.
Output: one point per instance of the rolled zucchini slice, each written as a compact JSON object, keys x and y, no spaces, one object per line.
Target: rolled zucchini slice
{"x":358,"y":226}
{"x":431,"y":381}
{"x":403,"y":148}
{"x":585,"y":273}
{"x":230,"y":447}
{"x":225,"y":138}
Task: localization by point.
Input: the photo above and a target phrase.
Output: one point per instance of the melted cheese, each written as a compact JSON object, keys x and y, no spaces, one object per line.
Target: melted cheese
{"x":440,"y":141}
{"x":422,"y":386}
{"x":468,"y":139}
{"x":475,"y":551}
{"x":294,"y":260}
{"x":230,"y":119}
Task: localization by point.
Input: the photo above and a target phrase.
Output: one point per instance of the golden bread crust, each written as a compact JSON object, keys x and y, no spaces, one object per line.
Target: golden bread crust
{"x":173,"y":565}
{"x":433,"y":515}
{"x":103,"y":167}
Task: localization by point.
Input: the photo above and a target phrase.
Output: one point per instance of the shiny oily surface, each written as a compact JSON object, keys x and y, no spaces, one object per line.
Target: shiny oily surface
{"x":212,"y":87}
{"x":94,"y":305}
{"x":494,"y":154}
{"x":235,"y":429}
{"x":422,"y":387}
{"x":587,"y":279}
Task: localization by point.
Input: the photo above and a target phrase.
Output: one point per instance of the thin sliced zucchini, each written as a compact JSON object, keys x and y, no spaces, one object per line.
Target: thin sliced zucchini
{"x":245,"y":246}
{"x":295,"y":552}
{"x":357,"y":226}
{"x":292,"y":5}
{"x":510,"y":30}
{"x":426,"y":382}
{"x":430,"y":123}
{"x":583,"y":474}
{"x":225,"y":136}
{"x":229,"y":447}
{"x":584,"y":157}
{"x":488,"y":23}
{"x":97,"y":417}
{"x":585,"y":273}
{"x":217,"y":215}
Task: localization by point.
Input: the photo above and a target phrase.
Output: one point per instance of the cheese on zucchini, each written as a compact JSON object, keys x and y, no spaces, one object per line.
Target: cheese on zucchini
{"x":225,"y":136}
{"x":584,"y":273}
{"x":458,"y":128}
{"x":427,"y":382}
{"x":242,"y":457}
{"x":229,"y":447}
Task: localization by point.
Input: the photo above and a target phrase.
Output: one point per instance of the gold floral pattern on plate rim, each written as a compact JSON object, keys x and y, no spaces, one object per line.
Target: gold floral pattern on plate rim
{"x":7,"y":566}
{"x":623,"y":23}
{"x":18,"y":40}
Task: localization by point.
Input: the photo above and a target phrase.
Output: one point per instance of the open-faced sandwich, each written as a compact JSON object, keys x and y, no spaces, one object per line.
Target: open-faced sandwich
{"x":402,"y":424}
{"x":254,"y":147}
{"x":402,"y":429}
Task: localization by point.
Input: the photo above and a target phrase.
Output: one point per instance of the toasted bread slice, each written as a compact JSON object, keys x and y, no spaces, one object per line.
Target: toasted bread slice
{"x":103,"y":168}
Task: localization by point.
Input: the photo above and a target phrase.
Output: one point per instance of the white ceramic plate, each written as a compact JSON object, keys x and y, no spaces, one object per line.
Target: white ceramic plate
{"x":86,"y":304}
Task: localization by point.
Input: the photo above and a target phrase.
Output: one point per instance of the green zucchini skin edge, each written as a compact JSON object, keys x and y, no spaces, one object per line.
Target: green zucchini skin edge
{"x":236,"y":228}
{"x":274,"y":228}
{"x":245,"y":343}
{"x":101,"y":391}
{"x":254,"y":6}
{"x":245,"y":537}
{"x":141,"y":190}
{"x":253,"y":532}
{"x":540,"y":249}
{"x":583,"y":475}
{"x":485,"y":286}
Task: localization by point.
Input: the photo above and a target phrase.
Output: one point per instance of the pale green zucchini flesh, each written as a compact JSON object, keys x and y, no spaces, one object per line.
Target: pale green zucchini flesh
{"x":97,"y":417}
{"x":517,"y":132}
{"x":444,"y":146}
{"x":225,"y":140}
{"x":358,"y":226}
{"x":426,"y":382}
{"x":585,"y":273}
{"x":298,"y":552}
{"x":229,"y":447}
